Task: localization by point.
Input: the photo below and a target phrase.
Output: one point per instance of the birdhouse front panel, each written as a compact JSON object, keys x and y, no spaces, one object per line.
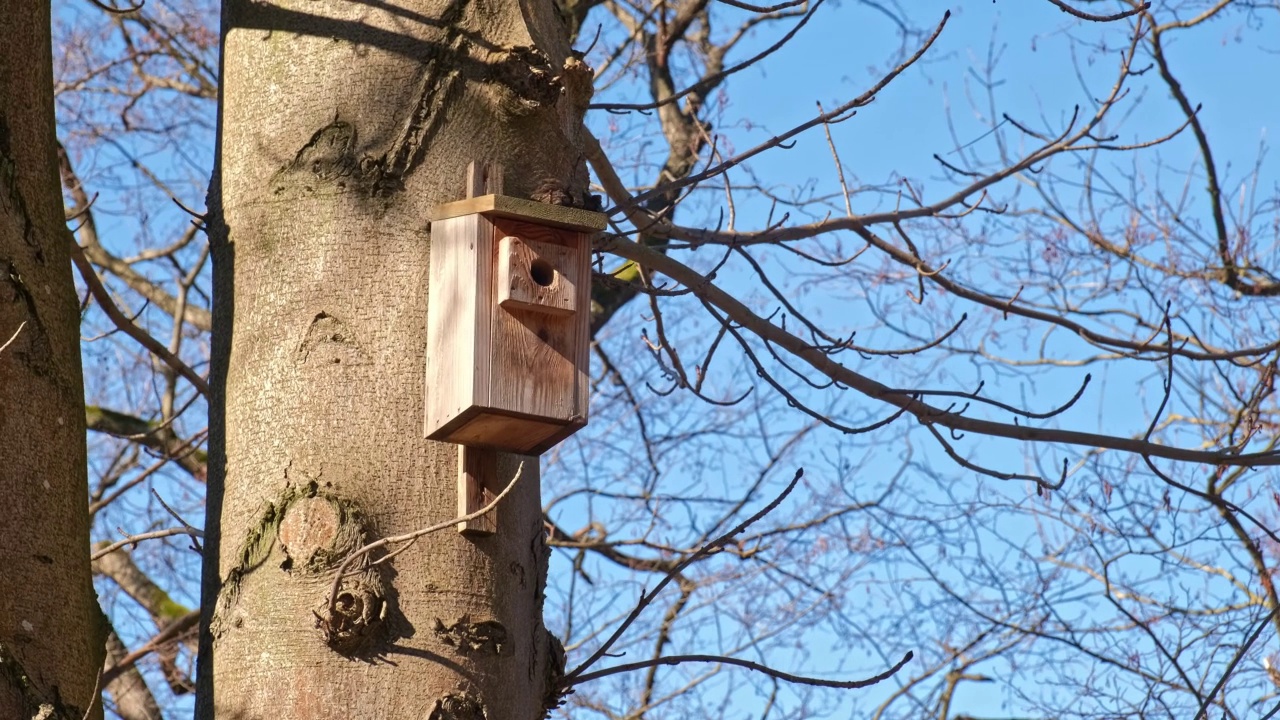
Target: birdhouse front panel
{"x":510,"y":372}
{"x":538,"y":335}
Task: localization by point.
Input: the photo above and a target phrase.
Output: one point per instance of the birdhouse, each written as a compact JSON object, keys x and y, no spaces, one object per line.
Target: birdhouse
{"x":507,"y":327}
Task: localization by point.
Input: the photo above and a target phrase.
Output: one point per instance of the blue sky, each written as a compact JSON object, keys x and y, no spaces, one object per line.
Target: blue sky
{"x":1040,"y":75}
{"x":1228,"y":66}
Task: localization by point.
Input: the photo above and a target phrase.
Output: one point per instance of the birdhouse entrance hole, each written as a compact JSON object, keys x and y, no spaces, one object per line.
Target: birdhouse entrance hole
{"x":542,"y":272}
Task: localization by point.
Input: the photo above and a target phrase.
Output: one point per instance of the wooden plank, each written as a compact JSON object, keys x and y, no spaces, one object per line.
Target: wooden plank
{"x":555,"y":438}
{"x":503,"y":206}
{"x":538,"y":233}
{"x":533,"y":355}
{"x":493,"y":429}
{"x":537,"y":277}
{"x":484,"y":294}
{"x":533,"y":364}
{"x":484,"y":178}
{"x":452,"y":316}
{"x":477,"y":487}
{"x":580,"y":340}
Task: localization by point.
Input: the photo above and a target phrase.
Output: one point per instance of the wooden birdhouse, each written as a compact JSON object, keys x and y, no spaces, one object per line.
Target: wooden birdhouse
{"x":507,"y":327}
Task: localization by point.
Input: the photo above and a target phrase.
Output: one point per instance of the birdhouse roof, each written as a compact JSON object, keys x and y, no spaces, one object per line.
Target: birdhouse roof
{"x":568,"y":218}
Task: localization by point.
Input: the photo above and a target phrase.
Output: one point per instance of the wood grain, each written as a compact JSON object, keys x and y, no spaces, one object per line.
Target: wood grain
{"x":477,"y":487}
{"x":534,"y":355}
{"x":507,"y":356}
{"x":520,"y":289}
{"x":558,"y":216}
{"x":484,"y":178}
{"x":524,"y":435}
{"x":454,"y":298}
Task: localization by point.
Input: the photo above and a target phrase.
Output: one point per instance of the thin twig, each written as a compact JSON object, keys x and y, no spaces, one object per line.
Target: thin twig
{"x":1204,"y":705}
{"x":195,"y":532}
{"x":153,"y":535}
{"x":94,"y":695}
{"x":172,"y":632}
{"x":1064,"y":7}
{"x":116,"y":10}
{"x":13,"y":337}
{"x":647,"y":598}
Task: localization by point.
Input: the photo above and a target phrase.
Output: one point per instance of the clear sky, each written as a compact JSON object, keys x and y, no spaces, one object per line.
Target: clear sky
{"x":1229,"y":66}
{"x":1041,"y":69}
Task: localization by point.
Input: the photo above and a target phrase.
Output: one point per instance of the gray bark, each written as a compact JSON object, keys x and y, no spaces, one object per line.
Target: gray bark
{"x":341,"y":125}
{"x":51,"y":631}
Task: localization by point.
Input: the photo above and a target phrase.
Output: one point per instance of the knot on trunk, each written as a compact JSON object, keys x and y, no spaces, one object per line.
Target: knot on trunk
{"x":529,"y":75}
{"x":458,"y":706}
{"x":554,"y":695}
{"x":352,"y":624}
{"x":488,"y":637}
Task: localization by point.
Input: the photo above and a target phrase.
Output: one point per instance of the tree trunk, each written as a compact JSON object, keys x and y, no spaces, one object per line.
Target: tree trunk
{"x":341,"y":126}
{"x":51,"y":631}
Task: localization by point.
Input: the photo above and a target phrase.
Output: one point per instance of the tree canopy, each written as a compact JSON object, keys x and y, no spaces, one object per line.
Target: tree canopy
{"x":1000,"y":277}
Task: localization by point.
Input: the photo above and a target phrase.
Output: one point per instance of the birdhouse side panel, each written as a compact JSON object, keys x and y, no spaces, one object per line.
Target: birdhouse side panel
{"x":457,"y":320}
{"x":582,"y":329}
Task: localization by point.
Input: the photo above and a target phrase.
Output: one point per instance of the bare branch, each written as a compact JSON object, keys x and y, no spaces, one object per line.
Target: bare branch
{"x":1070,"y":10}
{"x":126,"y":325}
{"x":758,"y":667}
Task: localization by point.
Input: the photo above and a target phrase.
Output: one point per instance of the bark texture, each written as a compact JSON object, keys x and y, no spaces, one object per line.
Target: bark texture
{"x":51,"y":631}
{"x":342,"y":124}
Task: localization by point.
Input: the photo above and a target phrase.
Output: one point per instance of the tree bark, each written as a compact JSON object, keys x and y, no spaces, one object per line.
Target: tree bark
{"x":51,"y":630}
{"x":341,"y":125}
